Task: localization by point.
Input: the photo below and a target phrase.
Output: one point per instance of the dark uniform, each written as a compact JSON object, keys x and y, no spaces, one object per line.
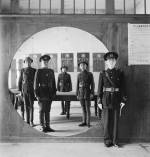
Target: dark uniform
{"x":19,"y":102}
{"x":64,"y":85}
{"x":45,"y":91}
{"x":25,"y":85}
{"x":84,"y":92}
{"x":111,"y":93}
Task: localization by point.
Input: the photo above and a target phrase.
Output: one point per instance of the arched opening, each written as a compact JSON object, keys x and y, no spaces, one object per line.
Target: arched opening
{"x":65,"y":45}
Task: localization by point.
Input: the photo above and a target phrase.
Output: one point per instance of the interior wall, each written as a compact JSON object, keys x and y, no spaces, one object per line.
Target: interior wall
{"x":113,"y":32}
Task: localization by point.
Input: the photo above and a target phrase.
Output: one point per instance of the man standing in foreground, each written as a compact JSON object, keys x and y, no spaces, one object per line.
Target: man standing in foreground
{"x":85,"y":92}
{"x":25,"y":86}
{"x":64,"y":85}
{"x":45,"y":91}
{"x":111,"y":97}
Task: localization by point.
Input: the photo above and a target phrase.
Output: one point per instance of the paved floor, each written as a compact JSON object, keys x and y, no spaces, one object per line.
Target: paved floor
{"x":61,"y":125}
{"x":72,"y":150}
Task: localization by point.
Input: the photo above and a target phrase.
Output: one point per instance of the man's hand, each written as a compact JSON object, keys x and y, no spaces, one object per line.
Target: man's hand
{"x":122,"y":105}
{"x":19,"y":93}
{"x":91,"y":96}
{"x":100,"y":106}
{"x":37,"y":98}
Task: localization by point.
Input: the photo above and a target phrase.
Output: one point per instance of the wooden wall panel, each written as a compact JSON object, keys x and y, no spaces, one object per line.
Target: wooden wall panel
{"x":113,"y":32}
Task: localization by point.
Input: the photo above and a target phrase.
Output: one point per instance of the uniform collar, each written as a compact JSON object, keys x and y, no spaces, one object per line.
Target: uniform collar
{"x":84,"y":71}
{"x":111,"y":69}
{"x":27,"y":67}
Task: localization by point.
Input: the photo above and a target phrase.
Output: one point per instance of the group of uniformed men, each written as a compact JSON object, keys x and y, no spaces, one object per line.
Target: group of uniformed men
{"x":40,"y":83}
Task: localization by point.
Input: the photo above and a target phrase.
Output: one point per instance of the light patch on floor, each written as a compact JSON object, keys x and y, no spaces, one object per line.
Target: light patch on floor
{"x":62,"y":126}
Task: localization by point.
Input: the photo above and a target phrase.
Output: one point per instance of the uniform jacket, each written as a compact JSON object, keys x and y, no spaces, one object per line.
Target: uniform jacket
{"x":26,"y":80}
{"x":108,"y":99}
{"x":85,"y":85}
{"x":44,"y":84}
{"x":64,"y":82}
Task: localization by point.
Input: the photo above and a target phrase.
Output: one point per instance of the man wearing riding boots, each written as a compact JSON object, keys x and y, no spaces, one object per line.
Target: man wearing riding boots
{"x":25,"y":85}
{"x":111,"y":98}
{"x":45,"y":91}
{"x":64,"y":85}
{"x":85,"y":91}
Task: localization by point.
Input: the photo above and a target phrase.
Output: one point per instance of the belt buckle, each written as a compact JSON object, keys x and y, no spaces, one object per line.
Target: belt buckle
{"x":112,"y":89}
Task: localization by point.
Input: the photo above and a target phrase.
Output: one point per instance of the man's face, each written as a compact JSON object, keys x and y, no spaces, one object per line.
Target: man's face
{"x":63,"y":70}
{"x":111,"y":63}
{"x":83,"y":66}
{"x":27,"y":63}
{"x":44,"y":63}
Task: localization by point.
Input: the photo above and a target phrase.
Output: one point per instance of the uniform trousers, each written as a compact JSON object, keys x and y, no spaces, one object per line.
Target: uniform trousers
{"x":86,"y":104}
{"x":19,"y":102}
{"x":28,"y":102}
{"x":110,"y":120}
{"x":65,"y":105}
{"x":44,"y":112}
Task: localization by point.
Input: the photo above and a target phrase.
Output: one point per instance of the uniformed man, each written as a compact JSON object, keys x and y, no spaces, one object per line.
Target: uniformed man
{"x":64,"y":85}
{"x":111,"y":96}
{"x":45,"y":91}
{"x":25,"y":86}
{"x":85,"y":91}
{"x":19,"y":102}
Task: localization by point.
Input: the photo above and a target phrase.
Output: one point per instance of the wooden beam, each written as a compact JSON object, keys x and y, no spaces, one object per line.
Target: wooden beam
{"x":15,"y":6}
{"x":29,"y":6}
{"x":0,"y":6}
{"x":62,"y":6}
{"x":134,"y":6}
{"x":74,"y":6}
{"x":50,"y":7}
{"x":145,"y":6}
{"x":110,"y":6}
{"x":39,"y":6}
{"x":95,"y":7}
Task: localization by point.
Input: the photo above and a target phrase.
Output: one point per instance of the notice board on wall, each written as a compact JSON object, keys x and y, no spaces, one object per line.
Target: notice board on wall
{"x":35,"y":64}
{"x":68,"y":60}
{"x":53,"y":62}
{"x":83,"y":56}
{"x":138,"y":44}
{"x":98,"y":62}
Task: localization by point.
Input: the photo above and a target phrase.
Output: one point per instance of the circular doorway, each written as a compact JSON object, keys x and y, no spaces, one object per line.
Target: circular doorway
{"x":59,"y":42}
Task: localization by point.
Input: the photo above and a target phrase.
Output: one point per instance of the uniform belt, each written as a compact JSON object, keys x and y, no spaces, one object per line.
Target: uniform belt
{"x":111,"y":89}
{"x":27,"y":82}
{"x":43,"y":85}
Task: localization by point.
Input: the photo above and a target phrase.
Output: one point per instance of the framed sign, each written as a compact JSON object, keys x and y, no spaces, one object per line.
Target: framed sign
{"x":36,"y":63}
{"x":98,"y":62}
{"x":84,"y":56}
{"x":138,"y":44}
{"x":19,"y":64}
{"x":53,"y":62}
{"x":68,"y":60}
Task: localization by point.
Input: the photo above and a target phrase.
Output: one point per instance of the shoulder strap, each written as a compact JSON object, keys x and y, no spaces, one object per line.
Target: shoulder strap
{"x":107,"y":75}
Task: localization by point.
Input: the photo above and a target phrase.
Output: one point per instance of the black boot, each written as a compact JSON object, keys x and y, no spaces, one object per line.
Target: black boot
{"x":62,"y":108}
{"x":82,"y":124}
{"x":48,"y":129}
{"x":67,"y":106}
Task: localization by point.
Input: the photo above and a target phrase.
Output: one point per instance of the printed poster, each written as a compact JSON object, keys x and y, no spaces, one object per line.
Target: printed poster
{"x":68,"y":60}
{"x":98,"y":62}
{"x":84,"y":56}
